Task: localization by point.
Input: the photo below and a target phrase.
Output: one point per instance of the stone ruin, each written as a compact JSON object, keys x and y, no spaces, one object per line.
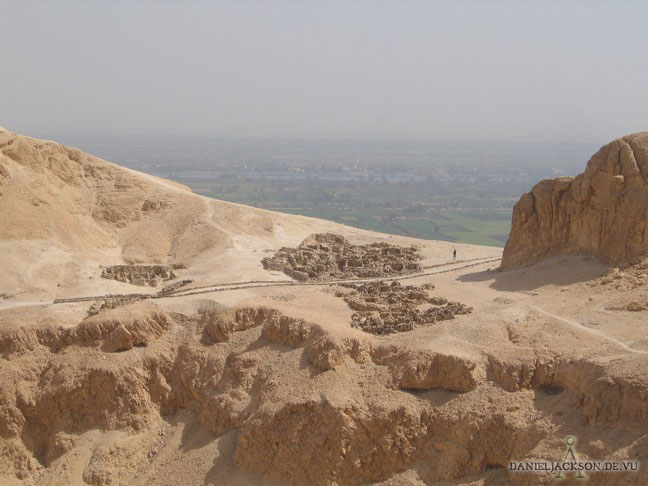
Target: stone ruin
{"x":388,"y":307}
{"x":152,"y":275}
{"x":325,"y":256}
{"x":171,"y":288}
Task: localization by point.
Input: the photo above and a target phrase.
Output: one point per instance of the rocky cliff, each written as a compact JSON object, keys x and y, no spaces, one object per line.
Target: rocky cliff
{"x":602,"y":212}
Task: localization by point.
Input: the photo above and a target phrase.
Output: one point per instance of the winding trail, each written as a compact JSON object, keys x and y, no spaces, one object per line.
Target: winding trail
{"x":284,"y":283}
{"x":11,"y":305}
{"x":582,"y":327}
{"x":292,"y":283}
{"x":438,"y":269}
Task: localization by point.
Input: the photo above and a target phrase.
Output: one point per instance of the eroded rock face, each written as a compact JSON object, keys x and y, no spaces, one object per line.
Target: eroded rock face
{"x":329,"y":256}
{"x":602,"y":212}
{"x":473,"y":417}
{"x":116,"y":330}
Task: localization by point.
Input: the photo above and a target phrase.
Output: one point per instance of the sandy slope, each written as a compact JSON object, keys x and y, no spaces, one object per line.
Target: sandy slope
{"x":290,"y":393}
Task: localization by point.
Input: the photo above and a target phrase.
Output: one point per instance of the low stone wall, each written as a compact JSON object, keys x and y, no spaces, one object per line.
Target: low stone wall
{"x":326,"y":255}
{"x":152,"y":275}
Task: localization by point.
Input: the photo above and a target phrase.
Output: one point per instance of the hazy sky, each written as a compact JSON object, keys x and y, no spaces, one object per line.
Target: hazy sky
{"x":332,"y":69}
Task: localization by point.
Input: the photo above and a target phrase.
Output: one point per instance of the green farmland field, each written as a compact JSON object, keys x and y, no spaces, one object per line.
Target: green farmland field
{"x":487,"y":227}
{"x":389,"y":208}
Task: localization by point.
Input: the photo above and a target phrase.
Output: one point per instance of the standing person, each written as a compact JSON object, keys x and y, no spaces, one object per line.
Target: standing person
{"x":454,"y":253}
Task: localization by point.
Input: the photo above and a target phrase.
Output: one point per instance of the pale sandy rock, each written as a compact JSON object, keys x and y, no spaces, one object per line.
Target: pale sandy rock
{"x":119,"y":340}
{"x":602,"y":212}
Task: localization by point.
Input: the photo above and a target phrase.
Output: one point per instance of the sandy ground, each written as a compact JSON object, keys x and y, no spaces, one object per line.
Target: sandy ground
{"x":240,"y":383}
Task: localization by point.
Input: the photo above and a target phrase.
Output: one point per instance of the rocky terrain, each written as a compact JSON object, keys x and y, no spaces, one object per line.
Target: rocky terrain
{"x":601,"y":212}
{"x":328,"y":256}
{"x":630,"y":277}
{"x":237,"y":373}
{"x":387,"y":307}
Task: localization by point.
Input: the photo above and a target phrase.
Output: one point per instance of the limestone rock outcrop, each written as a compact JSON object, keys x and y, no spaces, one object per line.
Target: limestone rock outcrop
{"x":602,"y":212}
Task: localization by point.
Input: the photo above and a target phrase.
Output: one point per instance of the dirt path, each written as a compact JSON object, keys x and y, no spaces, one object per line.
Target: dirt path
{"x":9,"y":305}
{"x":286,"y":283}
{"x":582,"y":327}
{"x":275,"y":283}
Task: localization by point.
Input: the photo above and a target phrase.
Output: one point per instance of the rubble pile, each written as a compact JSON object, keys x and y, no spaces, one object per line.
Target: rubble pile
{"x":388,"y":307}
{"x":326,"y":256}
{"x":152,"y":275}
{"x":631,"y":277}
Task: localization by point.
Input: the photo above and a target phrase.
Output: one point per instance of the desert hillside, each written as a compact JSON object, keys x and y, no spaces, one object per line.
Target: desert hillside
{"x":64,"y":213}
{"x":149,"y":335}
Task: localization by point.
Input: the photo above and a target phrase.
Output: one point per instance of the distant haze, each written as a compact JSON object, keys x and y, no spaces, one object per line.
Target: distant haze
{"x":403,"y":70}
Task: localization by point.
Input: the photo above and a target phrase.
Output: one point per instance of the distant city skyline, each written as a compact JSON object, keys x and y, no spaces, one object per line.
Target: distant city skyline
{"x":371,"y":70}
